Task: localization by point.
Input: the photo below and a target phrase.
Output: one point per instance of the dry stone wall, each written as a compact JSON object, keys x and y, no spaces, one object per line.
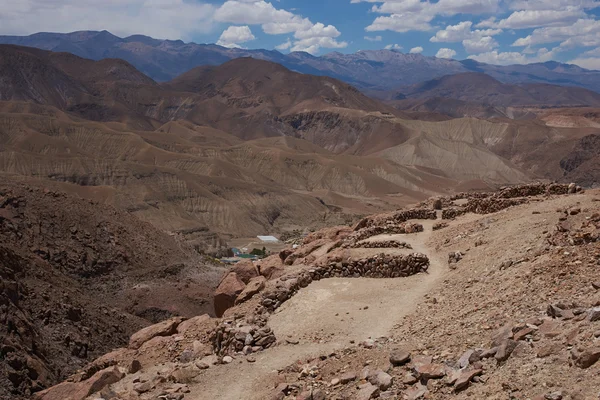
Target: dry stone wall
{"x":391,"y":228}
{"x":396,"y":218}
{"x":379,"y":244}
{"x":379,"y":266}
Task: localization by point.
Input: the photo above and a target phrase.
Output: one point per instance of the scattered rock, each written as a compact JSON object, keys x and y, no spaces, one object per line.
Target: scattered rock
{"x":367,"y":391}
{"x":348,"y":377}
{"x":464,"y":379}
{"x":416,"y":392}
{"x":134,"y":366}
{"x":184,"y":374}
{"x":587,"y":358}
{"x":430,"y":371}
{"x":554,"y":396}
{"x":399,"y":357}
{"x":143,"y":387}
{"x":505,"y":350}
{"x":381,"y":379}
{"x":594,"y":314}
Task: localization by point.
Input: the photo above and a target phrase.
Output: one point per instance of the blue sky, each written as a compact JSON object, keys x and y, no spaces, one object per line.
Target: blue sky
{"x":493,"y":31}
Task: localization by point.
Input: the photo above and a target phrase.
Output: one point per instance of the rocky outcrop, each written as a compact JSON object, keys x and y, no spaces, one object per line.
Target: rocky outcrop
{"x":165,"y":328}
{"x":245,"y":270}
{"x":81,"y":390}
{"x":229,"y":289}
{"x":254,"y":286}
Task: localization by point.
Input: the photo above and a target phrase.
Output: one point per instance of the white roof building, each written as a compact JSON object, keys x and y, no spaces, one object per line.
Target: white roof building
{"x":268,"y":239}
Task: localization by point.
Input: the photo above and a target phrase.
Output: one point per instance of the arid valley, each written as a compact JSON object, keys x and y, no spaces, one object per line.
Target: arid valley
{"x":211,"y":222}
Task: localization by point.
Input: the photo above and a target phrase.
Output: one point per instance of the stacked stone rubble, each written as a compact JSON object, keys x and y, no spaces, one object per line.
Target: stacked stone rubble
{"x":379,"y":244}
{"x":230,"y":338}
{"x":397,"y":217}
{"x":390,"y":229}
{"x":453,"y":212}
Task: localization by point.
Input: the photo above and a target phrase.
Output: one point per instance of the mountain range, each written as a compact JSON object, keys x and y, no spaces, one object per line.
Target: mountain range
{"x":250,"y":147}
{"x":372,"y":70}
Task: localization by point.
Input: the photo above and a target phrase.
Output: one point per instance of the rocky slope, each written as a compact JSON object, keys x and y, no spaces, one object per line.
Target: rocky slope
{"x":524,"y":326}
{"x":78,"y":278}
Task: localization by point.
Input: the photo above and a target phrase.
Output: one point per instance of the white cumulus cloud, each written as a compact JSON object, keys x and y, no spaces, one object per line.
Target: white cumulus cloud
{"x":394,"y":46}
{"x":308,"y":36}
{"x":445,"y":53}
{"x":416,"y":50}
{"x":234,"y":35}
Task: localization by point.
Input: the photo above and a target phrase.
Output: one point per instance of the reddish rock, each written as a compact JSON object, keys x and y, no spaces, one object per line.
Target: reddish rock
{"x":348,"y":377}
{"x":550,"y":328}
{"x":549,"y":349}
{"x":416,"y":392}
{"x":191,"y":323}
{"x":594,"y":314}
{"x":430,"y":371}
{"x":367,"y":391}
{"x":229,"y":289}
{"x":420,"y":360}
{"x":587,"y":358}
{"x":502,"y":334}
{"x":245,"y":271}
{"x":399,"y":357}
{"x":285,"y":253}
{"x":505,"y":350}
{"x":522,"y":334}
{"x":464,"y":379}
{"x":271,"y":267}
{"x":164,"y":328}
{"x":81,"y":390}
{"x":254,"y":286}
{"x":381,"y":379}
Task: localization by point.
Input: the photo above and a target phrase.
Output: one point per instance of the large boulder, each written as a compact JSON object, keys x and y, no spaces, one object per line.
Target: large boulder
{"x":164,"y":328}
{"x":81,"y":390}
{"x":229,"y":289}
{"x":245,"y":270}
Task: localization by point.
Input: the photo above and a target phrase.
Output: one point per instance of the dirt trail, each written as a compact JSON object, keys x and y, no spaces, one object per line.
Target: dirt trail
{"x":325,"y":317}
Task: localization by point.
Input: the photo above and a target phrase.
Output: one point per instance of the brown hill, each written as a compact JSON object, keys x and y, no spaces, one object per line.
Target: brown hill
{"x":28,"y":76}
{"x":483,"y":89}
{"x":267,"y":86}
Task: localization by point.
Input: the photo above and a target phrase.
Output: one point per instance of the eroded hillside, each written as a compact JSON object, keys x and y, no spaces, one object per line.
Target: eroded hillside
{"x":79,"y":277}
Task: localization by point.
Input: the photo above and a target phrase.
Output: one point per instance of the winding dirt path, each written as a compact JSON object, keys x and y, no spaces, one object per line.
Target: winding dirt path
{"x":325,"y":317}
